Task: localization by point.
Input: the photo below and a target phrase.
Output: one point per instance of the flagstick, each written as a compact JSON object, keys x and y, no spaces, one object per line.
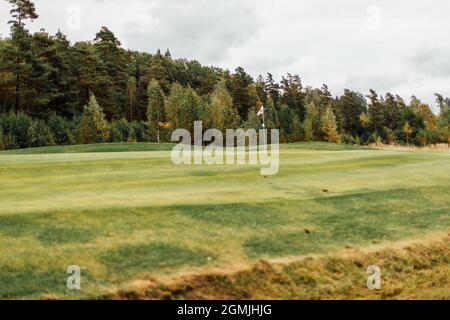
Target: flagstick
{"x":264,"y":128}
{"x":264,"y":119}
{"x":264,"y":125}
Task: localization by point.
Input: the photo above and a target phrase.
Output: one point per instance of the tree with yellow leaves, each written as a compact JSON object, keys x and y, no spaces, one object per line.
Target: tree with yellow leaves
{"x":329,"y":126}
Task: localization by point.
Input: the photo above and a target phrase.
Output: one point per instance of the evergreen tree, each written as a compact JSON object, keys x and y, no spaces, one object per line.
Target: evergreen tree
{"x":19,"y":52}
{"x":92,"y":76}
{"x":286,"y":117}
{"x":349,"y":108}
{"x":412,"y":121}
{"x":7,"y":79}
{"x":376,"y":113}
{"x":272,"y":89}
{"x":131,"y":97}
{"x":107,"y":46}
{"x":393,"y":112}
{"x":321,"y":98}
{"x":158,"y":71}
{"x":442,"y":102}
{"x":261,"y":89}
{"x":244,"y":97}
{"x":155,"y":110}
{"x":297,"y":133}
{"x":21,"y":11}
{"x":293,"y":96}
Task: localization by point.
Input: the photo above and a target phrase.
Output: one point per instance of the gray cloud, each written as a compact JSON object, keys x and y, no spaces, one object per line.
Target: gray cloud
{"x":431,"y":61}
{"x":202,"y":29}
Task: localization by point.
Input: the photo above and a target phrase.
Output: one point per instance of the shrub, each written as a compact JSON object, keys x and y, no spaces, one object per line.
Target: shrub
{"x":115,"y":134}
{"x":123,"y":127}
{"x":2,"y":139}
{"x":140,"y":131}
{"x":348,"y":139}
{"x":40,"y":134}
{"x":376,"y":139}
{"x":16,"y":126}
{"x":61,"y":130}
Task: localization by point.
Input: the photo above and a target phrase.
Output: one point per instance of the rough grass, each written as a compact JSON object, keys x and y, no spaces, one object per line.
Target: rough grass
{"x":415,"y":271}
{"x":127,"y":216}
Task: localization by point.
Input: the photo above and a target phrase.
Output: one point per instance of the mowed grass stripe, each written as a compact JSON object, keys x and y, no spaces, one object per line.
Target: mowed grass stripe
{"x":128,"y":218}
{"x":206,"y":232}
{"x":151,"y":181}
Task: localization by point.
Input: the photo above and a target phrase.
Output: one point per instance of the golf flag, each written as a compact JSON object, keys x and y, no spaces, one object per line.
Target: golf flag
{"x":261,"y":111}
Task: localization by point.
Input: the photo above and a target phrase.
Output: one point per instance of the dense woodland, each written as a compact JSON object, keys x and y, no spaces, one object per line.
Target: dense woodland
{"x":53,"y":92}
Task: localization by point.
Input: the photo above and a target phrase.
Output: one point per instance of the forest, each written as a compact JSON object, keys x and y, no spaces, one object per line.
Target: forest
{"x":54,"y":92}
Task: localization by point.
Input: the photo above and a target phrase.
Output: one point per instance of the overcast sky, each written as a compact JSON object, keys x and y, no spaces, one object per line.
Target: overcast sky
{"x":399,"y":46}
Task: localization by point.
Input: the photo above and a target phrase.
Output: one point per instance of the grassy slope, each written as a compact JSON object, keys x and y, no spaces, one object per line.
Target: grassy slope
{"x":96,"y":148}
{"x":128,"y":215}
{"x":416,"y":269}
{"x":143,"y":146}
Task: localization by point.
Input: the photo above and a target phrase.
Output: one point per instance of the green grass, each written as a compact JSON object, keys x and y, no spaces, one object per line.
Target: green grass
{"x":124,"y":212}
{"x":97,"y":148}
{"x":144,"y":146}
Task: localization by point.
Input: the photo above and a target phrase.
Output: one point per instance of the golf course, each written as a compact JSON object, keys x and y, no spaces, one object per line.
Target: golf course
{"x":136,"y":223}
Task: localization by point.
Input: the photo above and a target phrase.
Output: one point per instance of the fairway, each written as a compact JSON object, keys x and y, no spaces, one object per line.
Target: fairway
{"x":124,"y":213}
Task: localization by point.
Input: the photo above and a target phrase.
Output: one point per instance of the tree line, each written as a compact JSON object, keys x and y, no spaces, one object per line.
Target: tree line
{"x":53,"y":92}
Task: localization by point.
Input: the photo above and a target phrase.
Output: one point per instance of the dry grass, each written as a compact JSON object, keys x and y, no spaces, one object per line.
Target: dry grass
{"x":382,"y":146}
{"x":410,"y":270}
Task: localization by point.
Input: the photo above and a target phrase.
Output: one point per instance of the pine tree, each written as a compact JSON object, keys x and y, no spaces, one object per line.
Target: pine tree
{"x":155,"y":110}
{"x":92,"y":77}
{"x":414,"y":124}
{"x":286,"y":117}
{"x":158,"y":71}
{"x":376,"y":112}
{"x":244,"y":97}
{"x":131,"y":97}
{"x":297,"y":130}
{"x":271,"y":115}
{"x":272,"y":89}
{"x":392,"y":112}
{"x":293,"y":95}
{"x":109,"y":50}
{"x":349,"y":108}
{"x":22,"y":10}
{"x":20,"y":53}
{"x":329,"y":126}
